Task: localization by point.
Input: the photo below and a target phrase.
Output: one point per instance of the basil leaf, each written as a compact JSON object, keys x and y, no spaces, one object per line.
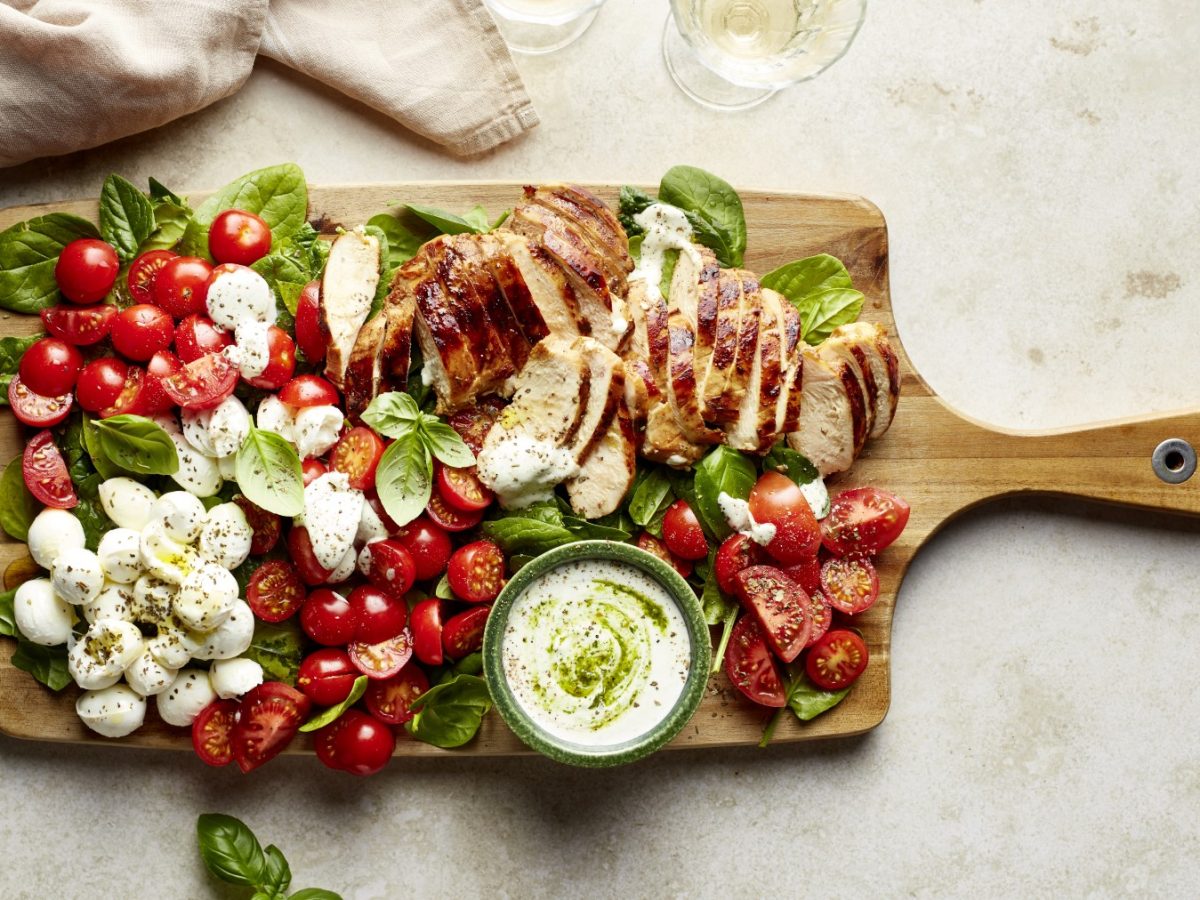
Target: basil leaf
{"x":136,"y":444}
{"x":651,"y":494}
{"x":448,"y":715}
{"x":18,"y":509}
{"x":278,"y":194}
{"x":443,"y":591}
{"x":91,"y":443}
{"x":715,"y":207}
{"x":275,"y":647}
{"x":445,"y":443}
{"x":126,"y":216}
{"x":277,"y":874}
{"x":28,"y":253}
{"x":683,"y":485}
{"x":808,"y":701}
{"x":404,"y":479}
{"x":448,"y":222}
{"x":632,"y":200}
{"x":521,"y":535}
{"x":333,"y":713}
{"x":315,"y":894}
{"x":393,"y":414}
{"x":722,"y":471}
{"x":8,"y":616}
{"x":46,"y":664}
{"x":796,"y":466}
{"x":717,"y":605}
{"x":11,"y":351}
{"x":268,"y":473}
{"x":402,"y":242}
{"x":230,"y":850}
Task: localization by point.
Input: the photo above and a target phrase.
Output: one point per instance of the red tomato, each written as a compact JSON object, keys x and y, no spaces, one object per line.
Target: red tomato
{"x":426,"y":624}
{"x":836,"y":660}
{"x":301,"y":553}
{"x":777,"y":500}
{"x":35,"y":410}
{"x":462,"y":489}
{"x":266,"y":526}
{"x":473,"y":424}
{"x":212,"y":730}
{"x":309,"y":390}
{"x":391,"y":700}
{"x":202,"y":383}
{"x":309,"y":334}
{"x":851,"y":585}
{"x":822,"y":616}
{"x":86,"y":270}
{"x":682,"y":532}
{"x":141,"y":331}
{"x":312,"y":469}
{"x":275,"y":591}
{"x":181,"y":286}
{"x":389,"y":566}
{"x":385,"y":659}
{"x":750,"y":667}
{"x":268,"y":718}
{"x":429,"y":546}
{"x":807,"y":574}
{"x":328,"y":618}
{"x":476,"y":572}
{"x":648,"y":542}
{"x":197,"y":336}
{"x":134,"y":397}
{"x":357,"y":454}
{"x":282,"y":361}
{"x":46,"y":473}
{"x":327,"y":676}
{"x":240,"y":237}
{"x":463,"y":634}
{"x":378,"y":616}
{"x":736,"y":552}
{"x":863,"y":521}
{"x":50,"y":367}
{"x":100,"y":383}
{"x":377,"y":505}
{"x":781,"y":607}
{"x":446,"y":516}
{"x":162,"y":366}
{"x":362,"y":745}
{"x":80,"y":326}
{"x":144,"y":271}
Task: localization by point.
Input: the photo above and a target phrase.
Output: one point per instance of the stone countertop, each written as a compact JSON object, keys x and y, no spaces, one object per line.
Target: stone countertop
{"x":1037,"y":165}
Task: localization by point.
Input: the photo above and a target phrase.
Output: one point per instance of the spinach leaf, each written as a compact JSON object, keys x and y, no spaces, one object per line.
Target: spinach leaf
{"x":126,"y":216}
{"x":17,"y":506}
{"x":278,"y":194}
{"x":829,"y":309}
{"x":159,"y":191}
{"x":46,"y":664}
{"x":91,"y":515}
{"x":808,"y":701}
{"x":28,"y":253}
{"x":796,"y":466}
{"x":632,"y":200}
{"x":404,"y":479}
{"x":170,"y":222}
{"x":529,"y":536}
{"x":651,"y":496}
{"x":683,"y":485}
{"x":11,"y":351}
{"x":268,"y":473}
{"x":473,"y":222}
{"x":714,"y":210}
{"x":402,"y":241}
{"x":230,"y":850}
{"x":448,"y":715}
{"x":277,"y":648}
{"x":333,"y":713}
{"x":8,"y":616}
{"x":594,"y":531}
{"x":136,"y":444}
{"x":722,"y":471}
{"x":277,"y":874}
{"x":546,"y":511}
{"x":822,"y":292}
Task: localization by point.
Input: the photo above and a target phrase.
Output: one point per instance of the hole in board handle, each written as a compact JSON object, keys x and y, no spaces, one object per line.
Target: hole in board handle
{"x":1174,"y":461}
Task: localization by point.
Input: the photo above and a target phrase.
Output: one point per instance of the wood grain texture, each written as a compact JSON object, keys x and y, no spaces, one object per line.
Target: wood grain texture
{"x":942,"y":462}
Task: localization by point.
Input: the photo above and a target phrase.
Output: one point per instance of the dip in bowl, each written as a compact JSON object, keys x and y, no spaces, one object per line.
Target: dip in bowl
{"x":596,"y":653}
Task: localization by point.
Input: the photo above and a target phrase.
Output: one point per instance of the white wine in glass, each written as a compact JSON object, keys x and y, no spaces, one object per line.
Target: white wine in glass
{"x":542,"y":26}
{"x":733,"y":54}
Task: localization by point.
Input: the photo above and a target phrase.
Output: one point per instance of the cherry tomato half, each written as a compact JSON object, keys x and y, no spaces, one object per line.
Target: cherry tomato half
{"x":162,"y":366}
{"x":390,"y":700}
{"x":327,"y":676}
{"x":212,"y":732}
{"x":308,"y":390}
{"x":378,"y":616}
{"x":362,"y":745}
{"x":143,"y":271}
{"x":309,"y":334}
{"x":446,"y":516}
{"x":357,"y":455}
{"x":385,"y":659}
{"x":836,"y":660}
{"x":463,"y":634}
{"x":35,"y":410}
{"x":312,"y":469}
{"x":181,"y":286}
{"x":275,"y":591}
{"x":134,"y":397}
{"x":328,"y":618}
{"x":46,"y":473}
{"x":473,"y":424}
{"x":81,"y":326}
{"x":682,"y":532}
{"x":281,"y":361}
{"x":389,"y":566}
{"x":750,"y":667}
{"x":141,"y":331}
{"x":269,"y":717}
{"x":240,"y":237}
{"x":476,"y":572}
{"x":197,"y":336}
{"x":851,"y":584}
{"x":426,"y":623}
{"x":462,"y":489}
{"x":429,"y":546}
{"x":736,"y":552}
{"x":807,"y":574}
{"x":50,"y":367}
{"x":301,"y":552}
{"x":86,"y":270}
{"x":863,"y":521}
{"x":202,"y":383}
{"x":781,"y":607}
{"x":266,"y":526}
{"x":822,"y":616}
{"x":648,"y":542}
{"x":777,"y":500}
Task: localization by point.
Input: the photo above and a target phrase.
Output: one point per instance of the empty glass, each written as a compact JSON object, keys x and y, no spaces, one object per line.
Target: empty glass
{"x":542,"y":26}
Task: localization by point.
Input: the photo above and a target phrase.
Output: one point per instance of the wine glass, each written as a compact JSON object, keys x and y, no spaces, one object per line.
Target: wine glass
{"x":542,"y":26}
{"x":734,"y":54}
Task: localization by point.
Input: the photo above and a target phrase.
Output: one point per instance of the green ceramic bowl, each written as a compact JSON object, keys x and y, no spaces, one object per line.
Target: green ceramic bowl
{"x":670,"y":725}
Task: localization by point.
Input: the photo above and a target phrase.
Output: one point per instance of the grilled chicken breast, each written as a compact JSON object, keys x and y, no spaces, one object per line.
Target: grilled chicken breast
{"x":347,"y":292}
{"x":826,"y":432}
{"x":787,"y":407}
{"x":869,"y":345}
{"x":607,"y":474}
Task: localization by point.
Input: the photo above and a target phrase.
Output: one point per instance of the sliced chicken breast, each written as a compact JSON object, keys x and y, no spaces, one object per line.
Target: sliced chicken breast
{"x":755,"y":422}
{"x":607,"y":474}
{"x":681,"y":380}
{"x":826,"y":432}
{"x":836,"y":354}
{"x":364,"y":378}
{"x":535,"y":286}
{"x":347,"y":292}
{"x":605,"y":395}
{"x":594,"y":221}
{"x":475,"y":249}
{"x":449,"y":362}
{"x":714,"y":380}
{"x":787,"y":408}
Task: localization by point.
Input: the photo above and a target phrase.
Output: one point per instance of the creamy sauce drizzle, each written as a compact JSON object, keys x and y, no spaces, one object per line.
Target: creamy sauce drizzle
{"x":667,"y":228}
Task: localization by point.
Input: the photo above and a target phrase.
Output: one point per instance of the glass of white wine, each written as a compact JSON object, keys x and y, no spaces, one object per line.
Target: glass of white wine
{"x":542,"y":26}
{"x":734,"y":54}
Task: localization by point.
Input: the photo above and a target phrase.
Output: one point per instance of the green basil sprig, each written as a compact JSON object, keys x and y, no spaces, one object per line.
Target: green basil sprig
{"x":822,"y":292}
{"x":233,"y":854}
{"x":28,"y":253}
{"x":18,"y":509}
{"x":126,"y":216}
{"x":268,"y":472}
{"x":279,"y":194}
{"x":333,"y":713}
{"x":722,"y":471}
{"x":448,"y":715}
{"x":135,"y":444}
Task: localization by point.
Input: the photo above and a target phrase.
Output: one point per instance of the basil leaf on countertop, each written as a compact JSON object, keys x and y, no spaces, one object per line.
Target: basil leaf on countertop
{"x":404,"y":479}
{"x":333,"y":713}
{"x":714,"y":210}
{"x":822,"y":292}
{"x":126,"y":216}
{"x":315,"y":894}
{"x":230,"y":850}
{"x":723,"y":471}
{"x":18,"y":509}
{"x":516,"y":534}
{"x":277,"y":874}
{"x":8,"y":616}
{"x":28,"y":253}
{"x":46,"y":664}
{"x":136,"y":444}
{"x":279,"y":194}
{"x":796,"y":466}
{"x":448,"y":715}
{"x":268,"y":473}
{"x":276,"y":647}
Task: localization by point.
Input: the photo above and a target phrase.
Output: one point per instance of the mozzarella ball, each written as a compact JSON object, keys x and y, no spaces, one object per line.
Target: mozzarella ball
{"x":206,"y":597}
{"x":233,"y":677}
{"x":52,"y":532}
{"x":42,"y":616}
{"x":332,"y":510}
{"x":227,"y":466}
{"x":184,"y":700}
{"x":180,"y":514}
{"x":228,"y":427}
{"x":370,"y":526}
{"x":238,"y":295}
{"x":77,"y":576}
{"x":164,"y":557}
{"x":174,"y":645}
{"x":253,"y":348}
{"x":120,"y":553}
{"x":112,"y":712}
{"x":317,"y":429}
{"x":152,"y":599}
{"x":197,"y":474}
{"x":127,"y":502}
{"x":343,"y":569}
{"x":148,"y":676}
{"x":115,"y":601}
{"x":100,"y":657}
{"x":195,"y":430}
{"x":274,"y":415}
{"x":167,"y":422}
{"x":232,"y":637}
{"x":226,"y":536}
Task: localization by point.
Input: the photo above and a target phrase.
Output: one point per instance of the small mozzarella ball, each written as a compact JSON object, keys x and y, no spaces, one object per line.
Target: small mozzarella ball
{"x":77,"y":576}
{"x":103,"y":654}
{"x":206,"y":597}
{"x":237,"y":295}
{"x":174,"y":645}
{"x":274,"y":415}
{"x":148,"y":676}
{"x":127,"y":502}
{"x":112,"y":712}
{"x":232,"y":637}
{"x":180,"y":514}
{"x":228,"y":427}
{"x":184,"y":700}
{"x":120,"y":553}
{"x":254,"y":347}
{"x":226,"y":536}
{"x":52,"y":532}
{"x":345,"y":568}
{"x":195,"y":430}
{"x":116,"y":601}
{"x":167,"y":422}
{"x":197,"y":474}
{"x":332,"y":510}
{"x":152,"y":599}
{"x":233,"y":677}
{"x":317,"y":429}
{"x":370,"y":526}
{"x":227,"y":466}
{"x":41,"y":615}
{"x":164,"y":557}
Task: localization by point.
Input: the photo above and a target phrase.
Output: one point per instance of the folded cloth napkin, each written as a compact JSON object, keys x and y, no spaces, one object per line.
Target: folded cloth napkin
{"x":78,"y":73}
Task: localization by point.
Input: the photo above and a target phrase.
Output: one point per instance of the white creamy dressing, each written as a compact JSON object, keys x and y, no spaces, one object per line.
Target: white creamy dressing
{"x":522,"y":470}
{"x":817,"y":496}
{"x":737,"y":514}
{"x":596,"y":652}
{"x":667,"y":228}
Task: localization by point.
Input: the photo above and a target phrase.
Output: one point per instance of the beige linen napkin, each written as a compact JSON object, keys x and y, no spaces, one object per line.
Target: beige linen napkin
{"x":78,"y":73}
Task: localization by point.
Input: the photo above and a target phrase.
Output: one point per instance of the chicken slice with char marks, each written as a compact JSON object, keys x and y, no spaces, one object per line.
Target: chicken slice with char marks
{"x":347,"y":292}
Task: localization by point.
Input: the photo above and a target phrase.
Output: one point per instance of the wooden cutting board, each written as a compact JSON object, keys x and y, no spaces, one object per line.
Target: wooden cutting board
{"x":942,"y":462}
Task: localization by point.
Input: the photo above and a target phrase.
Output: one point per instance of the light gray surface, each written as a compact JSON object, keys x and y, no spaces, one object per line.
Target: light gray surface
{"x":1037,"y":164}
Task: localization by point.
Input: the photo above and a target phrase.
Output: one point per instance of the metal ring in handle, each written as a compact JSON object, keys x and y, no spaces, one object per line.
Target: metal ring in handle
{"x":1174,"y":461}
